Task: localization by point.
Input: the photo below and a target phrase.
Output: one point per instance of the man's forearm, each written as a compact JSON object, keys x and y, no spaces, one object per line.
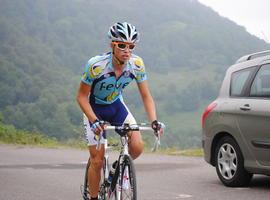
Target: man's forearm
{"x":86,"y":108}
{"x":150,"y":108}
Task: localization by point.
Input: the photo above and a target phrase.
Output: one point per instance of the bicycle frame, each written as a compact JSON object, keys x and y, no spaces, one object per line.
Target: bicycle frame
{"x":115,"y":189}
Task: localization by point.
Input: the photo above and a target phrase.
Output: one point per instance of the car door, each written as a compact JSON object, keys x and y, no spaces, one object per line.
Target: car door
{"x":254,"y":116}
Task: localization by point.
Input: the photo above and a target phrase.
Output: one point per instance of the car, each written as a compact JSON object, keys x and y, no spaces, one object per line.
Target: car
{"x":236,"y":125}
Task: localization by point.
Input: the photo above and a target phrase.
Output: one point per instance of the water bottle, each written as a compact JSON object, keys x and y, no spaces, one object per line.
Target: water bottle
{"x":112,"y":171}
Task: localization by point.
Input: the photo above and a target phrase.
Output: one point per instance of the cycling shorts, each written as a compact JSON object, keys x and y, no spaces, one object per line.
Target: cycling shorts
{"x":116,"y":114}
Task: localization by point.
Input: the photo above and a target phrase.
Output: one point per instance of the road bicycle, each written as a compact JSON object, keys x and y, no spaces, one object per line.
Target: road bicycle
{"x":123,"y":185}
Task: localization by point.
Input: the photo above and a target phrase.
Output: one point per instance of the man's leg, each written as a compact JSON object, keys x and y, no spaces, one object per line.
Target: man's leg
{"x":135,"y":144}
{"x":123,"y":115}
{"x":96,"y":157}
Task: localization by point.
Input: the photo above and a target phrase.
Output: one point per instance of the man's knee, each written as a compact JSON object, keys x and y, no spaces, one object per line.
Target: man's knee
{"x":96,"y":157}
{"x":136,"y":145}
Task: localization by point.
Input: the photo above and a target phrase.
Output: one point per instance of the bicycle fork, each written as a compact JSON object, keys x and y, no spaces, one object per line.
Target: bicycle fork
{"x":122,"y":183}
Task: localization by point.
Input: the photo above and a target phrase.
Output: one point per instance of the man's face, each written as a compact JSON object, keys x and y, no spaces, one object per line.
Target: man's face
{"x":123,"y":50}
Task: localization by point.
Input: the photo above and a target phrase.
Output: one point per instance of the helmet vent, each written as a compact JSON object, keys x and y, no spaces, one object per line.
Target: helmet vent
{"x":122,"y":35}
{"x":134,"y":36}
{"x":113,"y":33}
{"x":129,"y":31}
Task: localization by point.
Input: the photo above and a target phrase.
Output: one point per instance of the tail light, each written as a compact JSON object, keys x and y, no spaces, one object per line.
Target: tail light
{"x":209,"y":109}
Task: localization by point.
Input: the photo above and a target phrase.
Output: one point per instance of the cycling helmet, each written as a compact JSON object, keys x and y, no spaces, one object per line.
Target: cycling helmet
{"x":123,"y":32}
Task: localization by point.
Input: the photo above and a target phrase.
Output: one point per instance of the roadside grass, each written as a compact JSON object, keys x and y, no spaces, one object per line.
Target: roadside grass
{"x":10,"y":135}
{"x":198,"y":152}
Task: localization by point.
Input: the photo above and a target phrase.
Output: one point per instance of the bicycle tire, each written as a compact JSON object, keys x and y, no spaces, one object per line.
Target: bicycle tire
{"x":128,"y":189}
{"x":85,"y":191}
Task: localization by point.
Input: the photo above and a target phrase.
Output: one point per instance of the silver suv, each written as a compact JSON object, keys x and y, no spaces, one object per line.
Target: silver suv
{"x":236,"y":126}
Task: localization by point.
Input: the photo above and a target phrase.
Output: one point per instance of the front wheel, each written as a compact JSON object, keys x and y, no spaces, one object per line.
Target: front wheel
{"x":229,"y":163}
{"x":128,"y":185}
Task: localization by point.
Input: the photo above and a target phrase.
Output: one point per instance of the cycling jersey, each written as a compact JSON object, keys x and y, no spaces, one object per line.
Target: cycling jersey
{"x":99,"y":73}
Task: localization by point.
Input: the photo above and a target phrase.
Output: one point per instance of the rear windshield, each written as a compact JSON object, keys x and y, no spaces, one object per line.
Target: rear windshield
{"x":239,"y":80}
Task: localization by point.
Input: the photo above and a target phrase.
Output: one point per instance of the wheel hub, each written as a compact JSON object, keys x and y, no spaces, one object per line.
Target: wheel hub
{"x":227,"y":161}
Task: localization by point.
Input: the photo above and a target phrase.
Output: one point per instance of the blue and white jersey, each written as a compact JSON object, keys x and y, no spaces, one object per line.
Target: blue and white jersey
{"x":99,"y":74}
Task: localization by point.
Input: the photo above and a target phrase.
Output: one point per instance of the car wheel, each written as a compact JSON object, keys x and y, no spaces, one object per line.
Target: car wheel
{"x":229,"y":163}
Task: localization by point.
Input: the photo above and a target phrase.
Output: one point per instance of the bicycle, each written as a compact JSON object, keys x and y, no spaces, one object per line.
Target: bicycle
{"x":123,"y":184}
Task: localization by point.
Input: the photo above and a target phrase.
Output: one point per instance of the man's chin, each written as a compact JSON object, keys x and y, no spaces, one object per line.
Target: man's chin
{"x":125,"y":58}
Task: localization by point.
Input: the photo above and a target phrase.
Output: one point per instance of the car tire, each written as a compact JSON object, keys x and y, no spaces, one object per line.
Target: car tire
{"x":229,"y":163}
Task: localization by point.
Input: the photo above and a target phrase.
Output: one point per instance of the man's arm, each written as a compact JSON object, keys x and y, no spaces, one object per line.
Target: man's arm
{"x":83,"y":101}
{"x":148,"y":101}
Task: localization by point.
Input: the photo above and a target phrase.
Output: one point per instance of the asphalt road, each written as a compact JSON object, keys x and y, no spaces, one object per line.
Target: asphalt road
{"x":56,"y":174}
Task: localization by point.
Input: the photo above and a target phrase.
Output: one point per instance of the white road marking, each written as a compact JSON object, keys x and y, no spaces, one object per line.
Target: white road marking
{"x":183,"y":196}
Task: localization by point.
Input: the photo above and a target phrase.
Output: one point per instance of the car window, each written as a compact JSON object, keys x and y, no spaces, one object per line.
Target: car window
{"x":261,"y":83}
{"x":238,"y":81}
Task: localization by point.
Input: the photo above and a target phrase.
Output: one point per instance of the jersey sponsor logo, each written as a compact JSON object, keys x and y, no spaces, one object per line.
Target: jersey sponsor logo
{"x":86,"y":78}
{"x":141,"y":77}
{"x":110,"y":86}
{"x":112,"y":96}
{"x":95,"y":71}
{"x":139,"y":64}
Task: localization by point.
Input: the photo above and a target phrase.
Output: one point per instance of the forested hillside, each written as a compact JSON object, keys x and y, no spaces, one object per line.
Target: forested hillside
{"x":45,"y":44}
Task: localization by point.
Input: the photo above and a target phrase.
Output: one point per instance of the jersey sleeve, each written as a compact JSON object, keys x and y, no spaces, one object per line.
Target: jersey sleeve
{"x":88,"y":77}
{"x":139,"y":70}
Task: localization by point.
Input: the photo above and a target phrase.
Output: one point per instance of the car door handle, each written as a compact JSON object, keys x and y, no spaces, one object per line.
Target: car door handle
{"x":245,"y":107}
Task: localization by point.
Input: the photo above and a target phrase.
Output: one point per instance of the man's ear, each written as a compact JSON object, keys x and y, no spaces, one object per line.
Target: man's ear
{"x":111,"y":45}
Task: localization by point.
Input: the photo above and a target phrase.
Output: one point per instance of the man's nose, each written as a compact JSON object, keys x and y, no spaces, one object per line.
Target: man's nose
{"x":127,"y":49}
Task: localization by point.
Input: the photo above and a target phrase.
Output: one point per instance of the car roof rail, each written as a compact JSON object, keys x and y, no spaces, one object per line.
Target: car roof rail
{"x":253,"y":56}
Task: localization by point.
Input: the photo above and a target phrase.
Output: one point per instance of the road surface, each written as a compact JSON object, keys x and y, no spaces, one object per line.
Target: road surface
{"x":56,"y":174}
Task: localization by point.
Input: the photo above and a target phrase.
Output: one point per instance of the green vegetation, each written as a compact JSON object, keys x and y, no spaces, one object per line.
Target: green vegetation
{"x":44,"y":46}
{"x":11,"y":135}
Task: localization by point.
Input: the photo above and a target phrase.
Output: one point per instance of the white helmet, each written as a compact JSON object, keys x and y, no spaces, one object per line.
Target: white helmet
{"x":123,"y":32}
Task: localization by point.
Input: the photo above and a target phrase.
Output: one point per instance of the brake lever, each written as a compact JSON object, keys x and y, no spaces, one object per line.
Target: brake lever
{"x":98,"y":138}
{"x":157,"y":142}
{"x":158,"y":135}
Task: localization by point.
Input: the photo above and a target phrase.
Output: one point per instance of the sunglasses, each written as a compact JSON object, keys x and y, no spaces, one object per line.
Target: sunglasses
{"x":123,"y":46}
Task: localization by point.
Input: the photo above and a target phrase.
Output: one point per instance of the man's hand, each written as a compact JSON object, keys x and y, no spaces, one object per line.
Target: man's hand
{"x":98,"y":126}
{"x":158,"y":127}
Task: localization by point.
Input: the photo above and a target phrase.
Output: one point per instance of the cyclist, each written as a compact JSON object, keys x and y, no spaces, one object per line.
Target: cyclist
{"x":99,"y":96}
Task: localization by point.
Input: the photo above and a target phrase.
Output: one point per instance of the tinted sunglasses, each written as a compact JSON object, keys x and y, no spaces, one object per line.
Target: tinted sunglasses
{"x":123,"y":46}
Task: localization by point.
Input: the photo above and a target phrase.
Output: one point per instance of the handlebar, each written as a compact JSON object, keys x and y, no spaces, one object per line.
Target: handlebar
{"x":134,"y":127}
{"x":129,"y":128}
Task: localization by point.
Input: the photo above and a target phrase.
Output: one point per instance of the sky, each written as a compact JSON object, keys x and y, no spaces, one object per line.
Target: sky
{"x":254,"y":15}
